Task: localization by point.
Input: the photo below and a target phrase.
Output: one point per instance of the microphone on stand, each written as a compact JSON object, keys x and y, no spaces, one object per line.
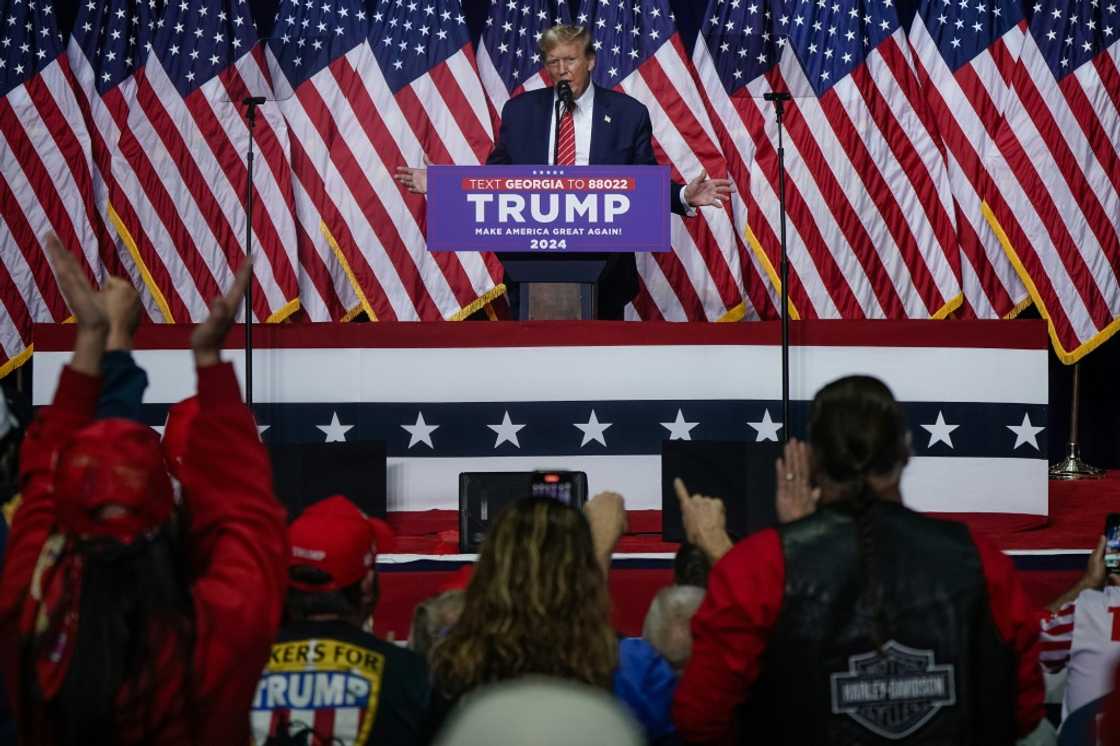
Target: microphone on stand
{"x":564,"y":93}
{"x":777,"y":96}
{"x":566,"y":102}
{"x":253,"y":100}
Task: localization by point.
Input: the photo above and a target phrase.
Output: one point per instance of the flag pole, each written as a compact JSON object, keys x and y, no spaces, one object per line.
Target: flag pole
{"x":251,"y":102}
{"x":1072,"y":467}
{"x":779,"y":98}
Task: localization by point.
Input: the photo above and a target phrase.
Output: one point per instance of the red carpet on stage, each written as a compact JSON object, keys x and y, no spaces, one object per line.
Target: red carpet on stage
{"x":1050,"y":552}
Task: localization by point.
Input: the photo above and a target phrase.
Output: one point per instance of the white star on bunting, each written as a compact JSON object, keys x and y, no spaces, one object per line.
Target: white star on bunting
{"x":766,"y":428}
{"x":421,"y":432}
{"x":593,"y":430}
{"x":678,"y":428}
{"x":507,"y":431}
{"x":1026,"y":432}
{"x":335,"y":431}
{"x":940,"y":431}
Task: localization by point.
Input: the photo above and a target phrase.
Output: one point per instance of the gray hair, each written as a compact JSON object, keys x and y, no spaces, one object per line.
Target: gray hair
{"x":667,"y":624}
{"x":433,"y":618}
{"x":543,"y":712}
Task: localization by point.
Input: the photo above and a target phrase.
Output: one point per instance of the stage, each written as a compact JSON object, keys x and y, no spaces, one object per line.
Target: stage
{"x":602,"y":397}
{"x":1049,"y":551}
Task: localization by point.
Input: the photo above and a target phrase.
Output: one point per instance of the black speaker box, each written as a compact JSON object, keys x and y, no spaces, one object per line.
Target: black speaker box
{"x":739,"y":473}
{"x":304,"y":473}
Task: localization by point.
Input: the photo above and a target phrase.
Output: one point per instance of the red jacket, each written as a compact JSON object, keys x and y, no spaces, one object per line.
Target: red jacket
{"x":238,"y":551}
{"x":732,"y":627}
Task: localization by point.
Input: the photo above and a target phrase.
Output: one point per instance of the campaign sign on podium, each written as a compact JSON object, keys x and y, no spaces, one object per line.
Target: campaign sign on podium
{"x":548,"y":209}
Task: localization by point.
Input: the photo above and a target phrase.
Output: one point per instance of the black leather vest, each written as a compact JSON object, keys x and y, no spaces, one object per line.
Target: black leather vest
{"x":943,"y":675}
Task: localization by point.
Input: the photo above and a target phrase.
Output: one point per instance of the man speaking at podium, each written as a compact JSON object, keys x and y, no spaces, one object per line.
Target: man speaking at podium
{"x":597,"y":126}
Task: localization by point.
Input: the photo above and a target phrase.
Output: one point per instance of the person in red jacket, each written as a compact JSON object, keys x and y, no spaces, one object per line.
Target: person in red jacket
{"x":857,"y":621}
{"x":125,"y":618}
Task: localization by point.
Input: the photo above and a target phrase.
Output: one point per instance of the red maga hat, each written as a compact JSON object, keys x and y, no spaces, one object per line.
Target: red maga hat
{"x":179,"y":420}
{"x":335,"y":536}
{"x":116,"y":464}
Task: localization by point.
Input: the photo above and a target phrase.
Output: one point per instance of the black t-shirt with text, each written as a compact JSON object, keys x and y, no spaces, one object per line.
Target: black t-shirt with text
{"x":343,"y":685}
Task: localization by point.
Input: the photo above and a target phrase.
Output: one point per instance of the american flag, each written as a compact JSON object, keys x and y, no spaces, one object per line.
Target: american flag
{"x":965,"y":53}
{"x":509,"y":60}
{"x":159,"y":86}
{"x":709,"y":275}
{"x":46,"y":178}
{"x":375,"y":88}
{"x":871,"y":228}
{"x":1058,"y":169}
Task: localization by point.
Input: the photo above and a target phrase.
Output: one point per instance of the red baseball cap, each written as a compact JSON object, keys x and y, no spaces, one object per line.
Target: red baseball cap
{"x":179,"y":420}
{"x":335,"y":536}
{"x":112,"y":462}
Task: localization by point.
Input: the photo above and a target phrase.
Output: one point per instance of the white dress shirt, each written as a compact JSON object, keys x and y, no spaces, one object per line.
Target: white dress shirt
{"x":582,"y":119}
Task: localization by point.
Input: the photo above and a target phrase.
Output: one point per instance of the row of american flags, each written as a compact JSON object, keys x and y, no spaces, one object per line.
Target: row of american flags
{"x":966,"y":164}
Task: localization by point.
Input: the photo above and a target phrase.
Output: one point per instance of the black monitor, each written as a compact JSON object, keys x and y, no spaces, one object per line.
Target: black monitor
{"x":483,"y":494}
{"x":738,"y":472}
{"x":304,"y":473}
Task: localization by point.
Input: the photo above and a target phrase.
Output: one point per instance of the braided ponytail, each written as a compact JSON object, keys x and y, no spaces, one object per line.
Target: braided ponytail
{"x":865,"y":503}
{"x":857,"y":430}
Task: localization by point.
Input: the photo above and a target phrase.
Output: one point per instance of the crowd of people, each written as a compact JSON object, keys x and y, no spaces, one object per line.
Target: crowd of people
{"x":153,"y":593}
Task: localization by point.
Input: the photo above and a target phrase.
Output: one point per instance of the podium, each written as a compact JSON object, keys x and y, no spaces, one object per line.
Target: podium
{"x":554,"y":228}
{"x":546,"y":288}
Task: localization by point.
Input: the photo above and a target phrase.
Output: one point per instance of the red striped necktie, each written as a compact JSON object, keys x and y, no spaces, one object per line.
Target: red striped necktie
{"x":566,"y":149}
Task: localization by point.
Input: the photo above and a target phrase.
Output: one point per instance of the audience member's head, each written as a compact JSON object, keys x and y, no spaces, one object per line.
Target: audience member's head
{"x":110,"y":483}
{"x":114,"y":572}
{"x":859,"y":438}
{"x":175,"y":433}
{"x":542,"y":712}
{"x":537,"y":604}
{"x":860,"y":445}
{"x":691,"y":566}
{"x":434,"y":618}
{"x":331,"y":568}
{"x":667,"y":623}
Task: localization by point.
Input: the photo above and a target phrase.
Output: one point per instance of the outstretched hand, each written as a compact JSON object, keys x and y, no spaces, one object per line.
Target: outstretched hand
{"x":207,"y":337}
{"x":414,"y":180}
{"x":705,"y":521}
{"x":795,"y":497}
{"x":87,"y":305}
{"x":704,"y":192}
{"x":606,"y":514}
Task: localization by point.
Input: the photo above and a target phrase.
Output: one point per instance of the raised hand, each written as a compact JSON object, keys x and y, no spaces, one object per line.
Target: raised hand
{"x":794,"y":496}
{"x":606,"y":513}
{"x":87,"y":306}
{"x":703,"y":192}
{"x":207,"y":337}
{"x":705,"y":521}
{"x":122,"y":304}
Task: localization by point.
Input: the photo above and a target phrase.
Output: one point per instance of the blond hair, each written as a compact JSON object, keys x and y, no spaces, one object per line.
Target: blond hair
{"x":565,"y":34}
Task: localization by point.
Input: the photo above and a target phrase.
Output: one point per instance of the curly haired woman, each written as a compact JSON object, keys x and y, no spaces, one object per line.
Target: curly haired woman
{"x":537,"y":604}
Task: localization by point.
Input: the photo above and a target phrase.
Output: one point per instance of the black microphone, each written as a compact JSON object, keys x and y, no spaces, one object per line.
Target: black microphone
{"x":564,"y":93}
{"x":253,"y":100}
{"x":777,"y":96}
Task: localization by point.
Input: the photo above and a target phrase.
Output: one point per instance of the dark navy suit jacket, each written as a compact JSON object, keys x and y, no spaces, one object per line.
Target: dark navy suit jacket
{"x":621,"y":134}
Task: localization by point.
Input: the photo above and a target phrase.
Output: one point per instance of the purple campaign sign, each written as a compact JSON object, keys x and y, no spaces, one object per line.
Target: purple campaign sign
{"x":548,"y":209}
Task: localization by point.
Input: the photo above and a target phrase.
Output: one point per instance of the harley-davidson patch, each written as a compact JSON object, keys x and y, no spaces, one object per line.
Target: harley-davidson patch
{"x":893,"y":691}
